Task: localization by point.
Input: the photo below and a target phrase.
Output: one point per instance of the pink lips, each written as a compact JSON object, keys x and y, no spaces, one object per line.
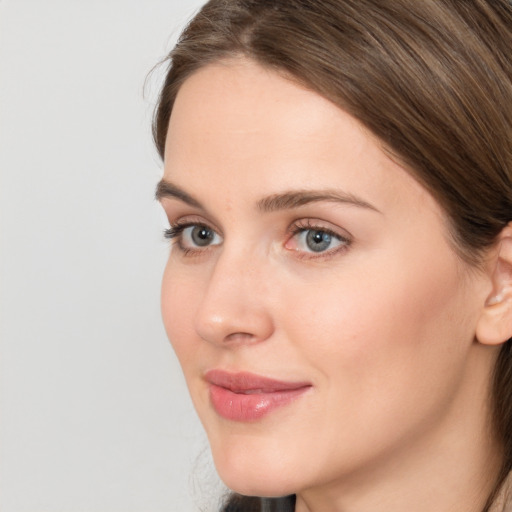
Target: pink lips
{"x":249,"y":397}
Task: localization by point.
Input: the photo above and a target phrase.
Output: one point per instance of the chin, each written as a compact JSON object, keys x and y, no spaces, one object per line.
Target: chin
{"x":262,"y":484}
{"x":255,"y":472}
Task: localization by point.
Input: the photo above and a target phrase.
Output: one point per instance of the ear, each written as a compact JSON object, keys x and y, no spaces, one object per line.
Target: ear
{"x":495,"y":323}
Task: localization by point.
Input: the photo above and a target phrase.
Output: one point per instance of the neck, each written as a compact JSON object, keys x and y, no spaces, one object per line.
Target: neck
{"x":451,"y":467}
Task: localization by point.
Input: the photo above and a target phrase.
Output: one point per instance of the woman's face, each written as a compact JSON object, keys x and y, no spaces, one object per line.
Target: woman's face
{"x":322,"y":319}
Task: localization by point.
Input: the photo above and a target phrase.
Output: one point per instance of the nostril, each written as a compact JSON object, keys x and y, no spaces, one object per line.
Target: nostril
{"x":239,"y":337}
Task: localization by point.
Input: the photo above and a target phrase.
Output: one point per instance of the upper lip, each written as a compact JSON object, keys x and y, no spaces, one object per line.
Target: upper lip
{"x":244,"y":382}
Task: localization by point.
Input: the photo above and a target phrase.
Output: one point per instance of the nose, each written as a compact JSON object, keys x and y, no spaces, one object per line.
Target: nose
{"x":235,"y":308}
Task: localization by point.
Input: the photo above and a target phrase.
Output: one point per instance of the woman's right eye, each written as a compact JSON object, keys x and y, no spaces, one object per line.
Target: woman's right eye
{"x":193,"y":237}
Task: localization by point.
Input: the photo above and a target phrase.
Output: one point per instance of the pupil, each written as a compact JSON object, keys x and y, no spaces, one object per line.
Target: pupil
{"x":202,"y":236}
{"x":318,"y":240}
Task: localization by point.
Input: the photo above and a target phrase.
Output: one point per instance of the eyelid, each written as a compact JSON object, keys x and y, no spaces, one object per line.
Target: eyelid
{"x":303,"y":225}
{"x":175,"y":230}
{"x":176,"y":226}
{"x":175,"y":233}
{"x":178,"y":212}
{"x":297,"y":227}
{"x":320,"y":225}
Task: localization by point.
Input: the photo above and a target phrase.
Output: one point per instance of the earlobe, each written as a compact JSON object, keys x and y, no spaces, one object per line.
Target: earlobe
{"x":495,"y":323}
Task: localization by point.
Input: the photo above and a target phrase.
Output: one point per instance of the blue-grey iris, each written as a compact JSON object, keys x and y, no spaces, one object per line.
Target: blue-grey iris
{"x":202,"y":236}
{"x":318,"y":241}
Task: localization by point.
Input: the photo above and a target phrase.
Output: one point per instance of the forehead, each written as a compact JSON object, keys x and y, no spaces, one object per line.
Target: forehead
{"x":237,"y":126}
{"x":238,"y":89}
{"x":239,"y":101}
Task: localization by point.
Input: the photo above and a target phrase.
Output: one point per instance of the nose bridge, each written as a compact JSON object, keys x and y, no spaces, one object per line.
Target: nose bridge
{"x":234,"y":306}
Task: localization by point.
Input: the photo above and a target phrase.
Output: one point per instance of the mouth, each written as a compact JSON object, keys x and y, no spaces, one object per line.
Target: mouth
{"x":249,"y":397}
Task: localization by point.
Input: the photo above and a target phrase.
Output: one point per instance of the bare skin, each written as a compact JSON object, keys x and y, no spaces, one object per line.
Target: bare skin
{"x":380,"y":317}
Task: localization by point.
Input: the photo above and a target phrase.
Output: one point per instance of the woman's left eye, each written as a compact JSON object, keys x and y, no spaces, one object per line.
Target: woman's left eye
{"x":316,"y":240}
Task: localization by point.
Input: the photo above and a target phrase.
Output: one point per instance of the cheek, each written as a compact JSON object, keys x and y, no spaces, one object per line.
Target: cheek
{"x":395,"y":297}
{"x":386,"y":352}
{"x":179,"y":298}
{"x":381,"y":340}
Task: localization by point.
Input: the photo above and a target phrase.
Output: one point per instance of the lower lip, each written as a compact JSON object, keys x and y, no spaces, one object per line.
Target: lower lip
{"x":250,"y":407}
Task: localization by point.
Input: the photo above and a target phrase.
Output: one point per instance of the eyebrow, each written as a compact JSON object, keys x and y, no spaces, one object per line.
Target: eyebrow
{"x":275,"y":202}
{"x":298,"y":198}
{"x":165,"y":188}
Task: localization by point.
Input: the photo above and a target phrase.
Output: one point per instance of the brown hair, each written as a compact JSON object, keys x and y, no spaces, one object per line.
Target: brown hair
{"x":431,"y":79}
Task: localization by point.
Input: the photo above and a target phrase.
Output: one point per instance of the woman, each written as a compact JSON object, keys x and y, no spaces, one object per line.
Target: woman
{"x":339,"y":290}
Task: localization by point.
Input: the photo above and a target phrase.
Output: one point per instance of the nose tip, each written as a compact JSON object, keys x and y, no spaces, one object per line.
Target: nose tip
{"x":233,"y":311}
{"x":233,"y":325}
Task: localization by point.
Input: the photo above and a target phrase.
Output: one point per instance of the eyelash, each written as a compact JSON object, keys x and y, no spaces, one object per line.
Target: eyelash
{"x":175,"y":232}
{"x":310,"y":225}
{"x":175,"y":235}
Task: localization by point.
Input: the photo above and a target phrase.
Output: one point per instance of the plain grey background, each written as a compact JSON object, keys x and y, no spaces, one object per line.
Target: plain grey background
{"x":95,"y":416}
